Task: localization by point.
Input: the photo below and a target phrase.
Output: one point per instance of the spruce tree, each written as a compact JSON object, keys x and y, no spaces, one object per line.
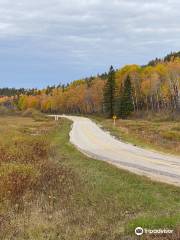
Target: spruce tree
{"x":109,"y":94}
{"x":126,"y":103}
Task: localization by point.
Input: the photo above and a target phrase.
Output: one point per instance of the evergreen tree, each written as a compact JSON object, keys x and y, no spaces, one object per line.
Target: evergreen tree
{"x":109,"y":94}
{"x":118,"y":101}
{"x":126,"y":103}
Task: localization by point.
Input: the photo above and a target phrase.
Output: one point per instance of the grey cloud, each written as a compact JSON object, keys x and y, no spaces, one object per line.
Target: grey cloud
{"x":88,"y":32}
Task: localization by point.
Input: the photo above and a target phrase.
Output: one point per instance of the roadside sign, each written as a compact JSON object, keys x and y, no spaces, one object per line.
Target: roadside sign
{"x":114,"y":118}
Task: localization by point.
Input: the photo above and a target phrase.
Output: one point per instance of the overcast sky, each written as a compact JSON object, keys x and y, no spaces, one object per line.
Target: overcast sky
{"x":51,"y":41}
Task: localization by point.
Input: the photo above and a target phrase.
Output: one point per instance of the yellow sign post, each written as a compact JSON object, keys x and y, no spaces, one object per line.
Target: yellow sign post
{"x":114,"y":118}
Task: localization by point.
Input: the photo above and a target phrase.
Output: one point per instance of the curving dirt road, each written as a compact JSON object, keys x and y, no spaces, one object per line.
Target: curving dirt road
{"x":96,"y":143}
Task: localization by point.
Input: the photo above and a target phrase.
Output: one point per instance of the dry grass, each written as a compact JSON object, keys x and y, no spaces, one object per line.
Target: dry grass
{"x":33,"y":184}
{"x":159,"y":135}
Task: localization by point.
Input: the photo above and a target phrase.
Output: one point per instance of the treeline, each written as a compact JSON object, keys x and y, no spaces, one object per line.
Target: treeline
{"x":170,"y":57}
{"x":9,"y":92}
{"x":78,"y":97}
{"x":137,"y":88}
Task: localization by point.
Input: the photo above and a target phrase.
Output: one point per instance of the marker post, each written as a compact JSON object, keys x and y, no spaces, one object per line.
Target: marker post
{"x":114,"y":118}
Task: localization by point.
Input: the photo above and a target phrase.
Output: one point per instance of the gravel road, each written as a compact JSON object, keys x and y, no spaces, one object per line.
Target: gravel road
{"x":90,"y":139}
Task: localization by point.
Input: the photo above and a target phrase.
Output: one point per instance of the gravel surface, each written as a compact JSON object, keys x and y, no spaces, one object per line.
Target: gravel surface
{"x":90,"y":139}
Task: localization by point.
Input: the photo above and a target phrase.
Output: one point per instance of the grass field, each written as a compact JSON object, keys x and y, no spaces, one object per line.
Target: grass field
{"x":159,"y":135}
{"x":51,"y":191}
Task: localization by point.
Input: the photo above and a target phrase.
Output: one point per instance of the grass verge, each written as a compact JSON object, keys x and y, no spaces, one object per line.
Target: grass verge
{"x":163,"y":136}
{"x":115,"y":201}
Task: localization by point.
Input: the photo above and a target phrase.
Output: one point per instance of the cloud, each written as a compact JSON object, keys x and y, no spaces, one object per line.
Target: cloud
{"x":85,"y":36}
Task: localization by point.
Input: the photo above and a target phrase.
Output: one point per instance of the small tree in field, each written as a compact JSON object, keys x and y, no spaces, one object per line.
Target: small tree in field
{"x":109,"y":94}
{"x":126,"y":102}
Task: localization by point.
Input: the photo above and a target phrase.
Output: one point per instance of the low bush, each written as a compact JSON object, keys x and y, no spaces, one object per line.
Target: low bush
{"x":25,"y":149}
{"x":28,"y":170}
{"x":16,"y":180}
{"x":171,"y":135}
{"x":35,"y":185}
{"x":35,"y":114}
{"x":4,"y":111}
{"x":56,"y":178}
{"x":156,"y":116}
